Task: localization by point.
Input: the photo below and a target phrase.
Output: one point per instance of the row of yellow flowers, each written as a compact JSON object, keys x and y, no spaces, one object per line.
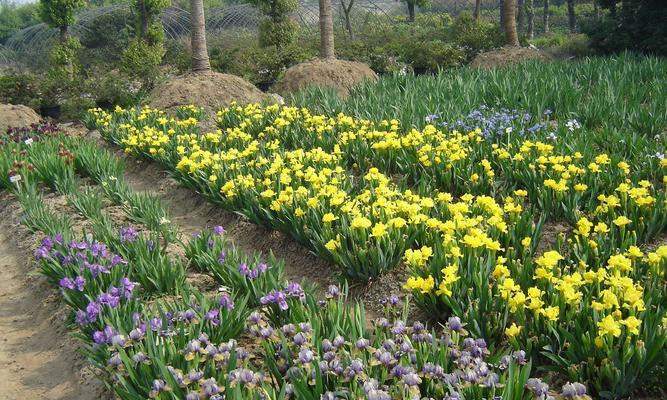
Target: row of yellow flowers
{"x":366,"y":195}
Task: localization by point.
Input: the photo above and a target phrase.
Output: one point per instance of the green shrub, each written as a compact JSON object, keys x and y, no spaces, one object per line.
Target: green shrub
{"x":429,"y":56}
{"x":639,"y":26}
{"x":277,"y":33}
{"x":141,"y":60}
{"x":240,"y":54}
{"x":19,"y":88}
{"x":75,"y":108}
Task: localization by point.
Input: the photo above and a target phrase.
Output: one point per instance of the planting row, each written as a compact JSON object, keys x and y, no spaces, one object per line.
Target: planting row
{"x":258,"y":337}
{"x":367,"y":195}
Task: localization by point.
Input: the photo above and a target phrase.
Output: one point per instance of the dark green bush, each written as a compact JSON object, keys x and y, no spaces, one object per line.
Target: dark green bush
{"x":17,"y":88}
{"x":242,"y":55}
{"x":638,"y":25}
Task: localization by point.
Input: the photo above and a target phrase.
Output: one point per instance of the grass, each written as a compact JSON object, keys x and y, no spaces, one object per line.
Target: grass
{"x":623,"y":93}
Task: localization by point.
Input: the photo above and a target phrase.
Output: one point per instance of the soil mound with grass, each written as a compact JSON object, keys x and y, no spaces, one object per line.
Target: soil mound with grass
{"x":211,"y":90}
{"x":338,"y":74}
{"x":16,"y":116}
{"x":508,"y":56}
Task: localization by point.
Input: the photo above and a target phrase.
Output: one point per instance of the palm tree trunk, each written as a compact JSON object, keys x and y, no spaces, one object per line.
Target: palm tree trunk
{"x":478,"y":8}
{"x":546,"y":16}
{"x":519,"y":16}
{"x":571,"y":18}
{"x":509,"y":12}
{"x":531,"y":19}
{"x":200,"y":62}
{"x":326,"y":30}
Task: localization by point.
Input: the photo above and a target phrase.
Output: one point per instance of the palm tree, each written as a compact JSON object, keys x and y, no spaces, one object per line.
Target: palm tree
{"x":200,"y":62}
{"x":509,"y":13}
{"x":326,"y":30}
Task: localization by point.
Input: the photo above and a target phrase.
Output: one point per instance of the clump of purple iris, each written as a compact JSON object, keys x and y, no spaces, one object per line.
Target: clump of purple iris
{"x":127,"y":234}
{"x":279,"y":297}
{"x":77,"y":283}
{"x":253,"y":273}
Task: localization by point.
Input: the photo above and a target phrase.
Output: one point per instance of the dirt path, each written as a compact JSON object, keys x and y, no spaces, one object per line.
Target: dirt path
{"x":38,"y":357}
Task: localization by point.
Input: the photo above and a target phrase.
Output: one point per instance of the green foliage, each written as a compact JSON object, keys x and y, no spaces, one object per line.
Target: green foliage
{"x":637,"y":25}
{"x":623,"y":93}
{"x":277,"y":29}
{"x":106,"y":37}
{"x":279,"y":33}
{"x":14,"y":17}
{"x":565,"y":44}
{"x":59,"y":13}
{"x":141,"y":60}
{"x":239,"y":53}
{"x":62,"y":76}
{"x":18,"y":88}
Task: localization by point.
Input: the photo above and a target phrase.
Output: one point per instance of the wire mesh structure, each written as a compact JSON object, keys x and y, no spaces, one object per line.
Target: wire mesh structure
{"x":37,"y":39}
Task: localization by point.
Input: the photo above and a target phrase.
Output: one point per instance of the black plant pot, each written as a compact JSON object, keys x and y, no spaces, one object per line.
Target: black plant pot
{"x":265,"y":86}
{"x":50,"y":111}
{"x":104,"y":104}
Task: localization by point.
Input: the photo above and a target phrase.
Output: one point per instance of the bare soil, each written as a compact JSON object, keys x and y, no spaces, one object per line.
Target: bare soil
{"x":209,"y":90}
{"x":38,"y":357}
{"x":16,"y":116}
{"x":338,"y":74}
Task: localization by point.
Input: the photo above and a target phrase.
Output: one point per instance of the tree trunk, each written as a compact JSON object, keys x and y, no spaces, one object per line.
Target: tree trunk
{"x":478,"y":8}
{"x":143,"y":18}
{"x":509,"y":12}
{"x":546,"y":16}
{"x":571,"y":18}
{"x":519,"y":16}
{"x":531,"y":19}
{"x":501,"y":7}
{"x":63,"y":34}
{"x":346,"y":12}
{"x":326,"y":30}
{"x":411,"y":10}
{"x":200,"y":62}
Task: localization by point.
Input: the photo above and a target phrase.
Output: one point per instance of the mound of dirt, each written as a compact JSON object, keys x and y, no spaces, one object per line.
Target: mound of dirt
{"x":209,"y":90}
{"x":507,"y":56}
{"x":16,"y":116}
{"x":339,"y":74}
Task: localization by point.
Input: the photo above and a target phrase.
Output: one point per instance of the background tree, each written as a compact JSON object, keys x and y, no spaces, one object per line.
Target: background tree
{"x":145,"y":52}
{"x":200,"y":60}
{"x":478,"y":8}
{"x":571,"y":16}
{"x":277,"y":28}
{"x":546,"y":16}
{"x":530,"y":13}
{"x":59,"y":14}
{"x":501,"y":7}
{"x":637,"y":25}
{"x":326,"y":30}
{"x":509,"y":12}
{"x":412,"y":4}
{"x":347,"y":8}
